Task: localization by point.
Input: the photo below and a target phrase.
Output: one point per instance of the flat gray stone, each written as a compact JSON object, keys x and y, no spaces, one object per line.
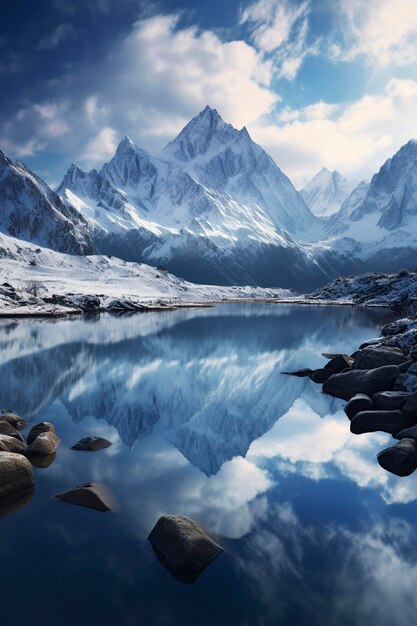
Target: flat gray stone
{"x":91,"y":444}
{"x":91,"y":495}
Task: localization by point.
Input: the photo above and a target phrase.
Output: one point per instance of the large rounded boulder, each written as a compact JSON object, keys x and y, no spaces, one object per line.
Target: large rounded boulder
{"x":15,"y":420}
{"x":183,"y":547}
{"x":372,"y":357}
{"x":16,"y":474}
{"x":400,"y":459}
{"x":348,"y":384}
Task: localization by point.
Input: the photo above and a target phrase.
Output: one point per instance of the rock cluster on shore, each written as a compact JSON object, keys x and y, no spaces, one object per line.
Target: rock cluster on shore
{"x":379,"y":383}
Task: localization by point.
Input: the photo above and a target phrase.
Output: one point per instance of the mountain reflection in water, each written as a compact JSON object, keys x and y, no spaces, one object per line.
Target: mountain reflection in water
{"x":204,"y":425}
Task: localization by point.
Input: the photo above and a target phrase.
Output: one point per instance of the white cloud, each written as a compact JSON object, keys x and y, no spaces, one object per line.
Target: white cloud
{"x":355,"y":138}
{"x":272,"y":22}
{"x":280,"y":27}
{"x":382,"y":32}
{"x":63,"y":32}
{"x":149,"y":85}
{"x":101,"y":147}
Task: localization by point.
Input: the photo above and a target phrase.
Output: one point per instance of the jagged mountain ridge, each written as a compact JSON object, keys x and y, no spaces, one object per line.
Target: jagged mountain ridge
{"x":206,"y":228}
{"x":327,"y":191}
{"x":30,"y":210}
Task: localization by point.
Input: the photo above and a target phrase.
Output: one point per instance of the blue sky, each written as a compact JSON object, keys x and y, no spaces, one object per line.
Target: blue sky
{"x":317,"y":82}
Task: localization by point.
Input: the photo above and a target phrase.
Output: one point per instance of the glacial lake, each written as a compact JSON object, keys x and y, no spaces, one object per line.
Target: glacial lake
{"x":203,"y":424}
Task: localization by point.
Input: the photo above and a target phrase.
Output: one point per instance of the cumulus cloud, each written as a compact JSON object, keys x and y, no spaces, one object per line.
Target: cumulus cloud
{"x":149,"y":85}
{"x":63,"y":32}
{"x":354,"y":137}
{"x":102,"y":146}
{"x":382,"y":32}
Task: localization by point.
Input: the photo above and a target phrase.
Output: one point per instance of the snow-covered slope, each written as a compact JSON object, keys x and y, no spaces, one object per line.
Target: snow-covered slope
{"x":377,"y":222}
{"x":226,"y":230}
{"x":30,"y":210}
{"x":225,"y":159}
{"x":326,"y":192}
{"x":40,"y":280}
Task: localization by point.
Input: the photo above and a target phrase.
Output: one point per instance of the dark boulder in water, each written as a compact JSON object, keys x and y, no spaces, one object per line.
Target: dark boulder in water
{"x":400,"y":459}
{"x":371,"y":358}
{"x":16,"y":473}
{"x":91,"y":444}
{"x":339,"y":362}
{"x":347,"y":384}
{"x":385,"y":421}
{"x":8,"y":416}
{"x":390,"y":400}
{"x":410,"y":405}
{"x":44,"y":444}
{"x":360,"y":402}
{"x":16,"y":500}
{"x":183,"y":547}
{"x":408,"y":433}
{"x":302,"y":373}
{"x":42,"y":427}
{"x":11,"y":444}
{"x":320,"y":375}
{"x":91,"y":495}
{"x":7,"y":429}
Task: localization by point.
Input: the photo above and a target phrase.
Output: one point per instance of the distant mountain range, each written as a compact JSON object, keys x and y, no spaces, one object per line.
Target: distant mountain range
{"x":214,"y":207}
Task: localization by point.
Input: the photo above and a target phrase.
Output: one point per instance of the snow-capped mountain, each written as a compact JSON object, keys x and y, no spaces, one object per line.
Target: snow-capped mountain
{"x":225,"y":217}
{"x":30,"y":210}
{"x":225,"y":159}
{"x":326,"y":192}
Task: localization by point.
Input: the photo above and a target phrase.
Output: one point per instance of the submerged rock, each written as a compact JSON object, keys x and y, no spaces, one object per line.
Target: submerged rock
{"x":16,"y":473}
{"x":11,"y":444}
{"x":41,"y":460}
{"x":373,"y":357}
{"x":360,"y":402}
{"x":349,"y":384}
{"x":44,"y":444}
{"x":390,"y":400}
{"x":91,"y":444}
{"x":386,"y":421}
{"x":14,"y":501}
{"x":42,"y":427}
{"x":91,"y":495}
{"x":8,"y":416}
{"x":400,"y":459}
{"x":182,"y":547}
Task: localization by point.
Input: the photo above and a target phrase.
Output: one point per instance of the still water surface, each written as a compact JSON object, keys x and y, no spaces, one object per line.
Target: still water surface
{"x":204,"y":425}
